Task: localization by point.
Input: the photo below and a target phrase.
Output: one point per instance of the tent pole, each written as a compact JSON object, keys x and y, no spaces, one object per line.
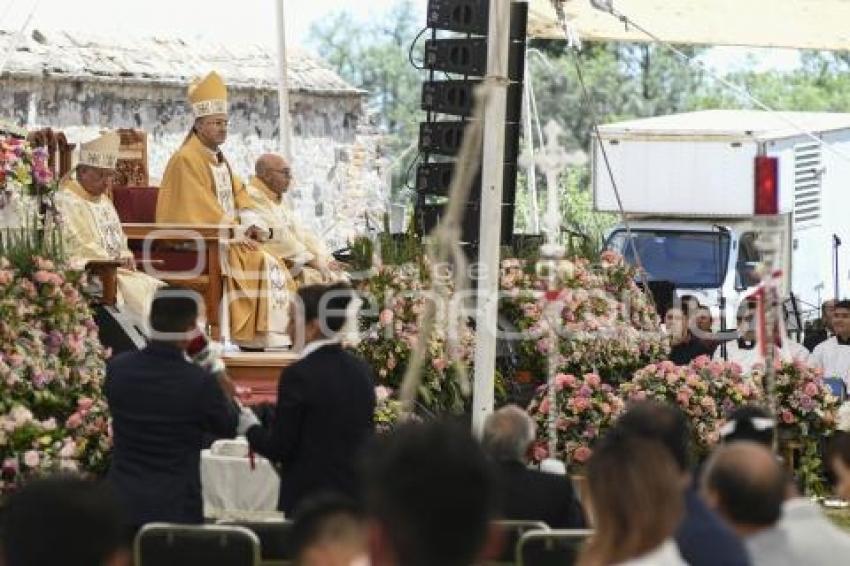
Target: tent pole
{"x":283,"y":83}
{"x":491,"y":214}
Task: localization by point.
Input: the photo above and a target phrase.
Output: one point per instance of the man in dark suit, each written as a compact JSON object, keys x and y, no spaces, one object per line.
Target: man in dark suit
{"x":527,"y":494}
{"x":325,"y":402}
{"x":162,"y":405}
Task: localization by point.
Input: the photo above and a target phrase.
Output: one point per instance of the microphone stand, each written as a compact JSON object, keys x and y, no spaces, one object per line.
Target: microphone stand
{"x":721,"y":298}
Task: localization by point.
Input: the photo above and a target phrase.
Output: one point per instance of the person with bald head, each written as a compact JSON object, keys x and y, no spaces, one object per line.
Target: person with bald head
{"x":746,"y":485}
{"x":281,"y":232}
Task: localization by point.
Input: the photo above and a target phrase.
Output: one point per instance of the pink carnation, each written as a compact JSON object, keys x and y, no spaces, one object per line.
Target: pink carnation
{"x":811,"y":389}
{"x":788,"y":417}
{"x":540,"y":452}
{"x":42,"y":276}
{"x":581,"y":404}
{"x":84,"y":403}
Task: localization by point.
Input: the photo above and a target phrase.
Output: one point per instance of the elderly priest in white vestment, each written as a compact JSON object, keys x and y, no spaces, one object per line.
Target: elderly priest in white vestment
{"x":91,"y":227}
{"x":281,"y":231}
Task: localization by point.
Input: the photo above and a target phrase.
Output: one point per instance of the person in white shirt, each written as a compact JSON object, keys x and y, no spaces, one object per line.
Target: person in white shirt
{"x":833,"y":355}
{"x":745,"y":351}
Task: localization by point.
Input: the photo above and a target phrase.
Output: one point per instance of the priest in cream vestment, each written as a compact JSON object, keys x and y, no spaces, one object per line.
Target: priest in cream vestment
{"x":199,"y":187}
{"x":92,"y":229}
{"x":282,"y":233}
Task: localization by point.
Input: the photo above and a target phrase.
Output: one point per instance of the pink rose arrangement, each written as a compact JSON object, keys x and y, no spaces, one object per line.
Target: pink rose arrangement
{"x":706,"y":391}
{"x":586,"y":407}
{"x":604,"y":323}
{"x":53,"y":415}
{"x":399,"y":294}
{"x":805,"y":405}
{"x":806,"y":411}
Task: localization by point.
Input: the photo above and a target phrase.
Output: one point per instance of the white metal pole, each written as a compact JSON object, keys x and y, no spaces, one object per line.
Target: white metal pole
{"x":283,"y":84}
{"x":491,"y":213}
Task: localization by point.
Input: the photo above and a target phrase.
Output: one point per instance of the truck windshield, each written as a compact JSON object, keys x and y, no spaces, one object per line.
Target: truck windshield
{"x":689,"y":260}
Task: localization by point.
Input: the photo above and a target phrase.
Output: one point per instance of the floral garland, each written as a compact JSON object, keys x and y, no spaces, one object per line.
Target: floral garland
{"x":52,"y":412}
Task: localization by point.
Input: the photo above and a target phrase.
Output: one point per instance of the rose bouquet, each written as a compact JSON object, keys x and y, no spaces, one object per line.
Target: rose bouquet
{"x":585,"y":408}
{"x":806,"y":411}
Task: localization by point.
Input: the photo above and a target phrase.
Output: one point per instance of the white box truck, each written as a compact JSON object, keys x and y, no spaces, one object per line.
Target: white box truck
{"x":692,"y":184}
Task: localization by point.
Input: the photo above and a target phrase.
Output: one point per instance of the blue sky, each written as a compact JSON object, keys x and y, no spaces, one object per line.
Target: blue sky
{"x":254,"y":21}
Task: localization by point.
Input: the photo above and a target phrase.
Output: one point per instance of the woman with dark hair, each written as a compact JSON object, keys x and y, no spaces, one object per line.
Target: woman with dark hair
{"x":636,"y":503}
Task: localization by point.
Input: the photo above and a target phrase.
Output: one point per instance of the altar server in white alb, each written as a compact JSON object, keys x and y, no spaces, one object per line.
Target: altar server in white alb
{"x":91,"y":227}
{"x":833,"y":355}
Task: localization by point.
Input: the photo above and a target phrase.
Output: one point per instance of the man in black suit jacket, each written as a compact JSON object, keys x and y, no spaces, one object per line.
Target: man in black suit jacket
{"x":325,"y":403}
{"x":527,"y":494}
{"x":162,"y":405}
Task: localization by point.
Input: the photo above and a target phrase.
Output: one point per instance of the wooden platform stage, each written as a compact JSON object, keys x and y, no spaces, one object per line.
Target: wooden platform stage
{"x":258,"y":370}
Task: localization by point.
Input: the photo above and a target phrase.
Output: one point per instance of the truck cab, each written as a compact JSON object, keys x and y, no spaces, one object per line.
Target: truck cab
{"x":706,"y":194}
{"x":702,"y":259}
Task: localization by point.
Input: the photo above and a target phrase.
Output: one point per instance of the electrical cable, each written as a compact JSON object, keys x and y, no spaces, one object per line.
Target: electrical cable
{"x":412,"y":46}
{"x":588,"y":100}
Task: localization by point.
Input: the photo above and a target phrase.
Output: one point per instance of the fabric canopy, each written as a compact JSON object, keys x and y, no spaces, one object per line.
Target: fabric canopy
{"x":801,"y":24}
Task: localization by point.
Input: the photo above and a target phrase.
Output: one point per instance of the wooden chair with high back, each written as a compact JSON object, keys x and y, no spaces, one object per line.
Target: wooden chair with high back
{"x":59,"y":160}
{"x":185,"y":255}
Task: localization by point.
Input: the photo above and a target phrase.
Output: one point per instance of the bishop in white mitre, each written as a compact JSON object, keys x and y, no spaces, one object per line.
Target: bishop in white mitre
{"x":281,"y":231}
{"x":91,"y":227}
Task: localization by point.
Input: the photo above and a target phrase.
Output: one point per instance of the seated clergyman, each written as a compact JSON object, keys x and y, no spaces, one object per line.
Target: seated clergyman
{"x":91,"y":227}
{"x":282,"y":233}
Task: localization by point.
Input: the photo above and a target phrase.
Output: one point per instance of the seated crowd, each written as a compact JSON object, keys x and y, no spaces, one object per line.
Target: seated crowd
{"x":424,"y":494}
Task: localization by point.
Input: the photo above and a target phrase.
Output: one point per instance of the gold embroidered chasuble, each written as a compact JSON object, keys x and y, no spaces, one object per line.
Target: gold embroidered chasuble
{"x":198,"y":187}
